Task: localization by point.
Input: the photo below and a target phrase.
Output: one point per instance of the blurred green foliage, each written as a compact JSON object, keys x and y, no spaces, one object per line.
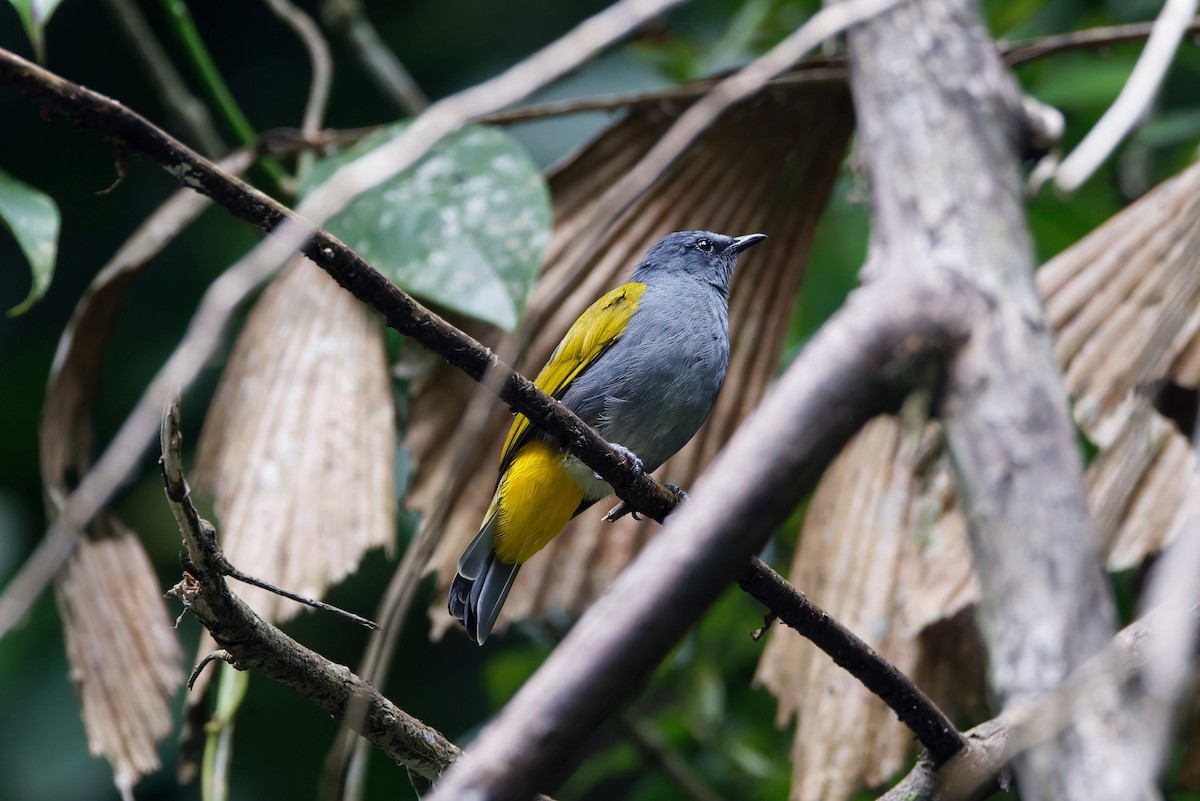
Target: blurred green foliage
{"x":701,"y":702}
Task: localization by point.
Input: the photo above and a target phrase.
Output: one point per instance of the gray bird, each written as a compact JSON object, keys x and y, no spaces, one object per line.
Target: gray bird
{"x":643,"y":366}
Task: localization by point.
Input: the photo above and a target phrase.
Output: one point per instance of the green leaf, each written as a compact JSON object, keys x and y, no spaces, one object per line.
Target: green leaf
{"x":34,"y":15}
{"x":465,"y":228}
{"x":33,"y":218}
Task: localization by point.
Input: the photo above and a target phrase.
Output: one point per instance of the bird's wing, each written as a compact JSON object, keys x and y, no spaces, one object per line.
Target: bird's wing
{"x":596,"y":330}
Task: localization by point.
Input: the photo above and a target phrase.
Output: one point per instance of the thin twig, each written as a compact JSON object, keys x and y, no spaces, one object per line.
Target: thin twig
{"x":233,"y":573}
{"x":190,"y":111}
{"x":805,"y":75}
{"x":253,"y":644}
{"x":823,"y":70}
{"x":350,"y":19}
{"x":1025,"y":50}
{"x":184,"y":28}
{"x":318,"y":57}
{"x":218,"y":655}
{"x":647,"y":739}
{"x":1135,"y":97}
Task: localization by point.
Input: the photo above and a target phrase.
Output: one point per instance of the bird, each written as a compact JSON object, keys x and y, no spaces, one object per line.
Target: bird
{"x":643,"y":366}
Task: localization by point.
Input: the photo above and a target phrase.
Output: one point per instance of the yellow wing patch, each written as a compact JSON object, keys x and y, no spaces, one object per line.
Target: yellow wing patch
{"x":596,"y":330}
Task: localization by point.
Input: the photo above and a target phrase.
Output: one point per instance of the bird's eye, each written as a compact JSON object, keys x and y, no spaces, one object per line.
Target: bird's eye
{"x":704,"y":245}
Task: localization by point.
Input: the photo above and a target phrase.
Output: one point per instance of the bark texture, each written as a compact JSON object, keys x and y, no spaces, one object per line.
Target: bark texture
{"x":941,"y":126}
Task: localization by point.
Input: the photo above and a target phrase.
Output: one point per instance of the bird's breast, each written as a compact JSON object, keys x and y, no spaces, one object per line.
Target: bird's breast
{"x":659,"y":382}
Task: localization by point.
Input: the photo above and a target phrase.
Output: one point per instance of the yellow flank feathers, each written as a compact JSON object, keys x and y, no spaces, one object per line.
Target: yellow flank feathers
{"x":536,"y":499}
{"x":596,"y":330}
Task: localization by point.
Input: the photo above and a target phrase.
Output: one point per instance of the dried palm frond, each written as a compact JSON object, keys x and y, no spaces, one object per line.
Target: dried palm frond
{"x":125,"y":659}
{"x":298,"y":445}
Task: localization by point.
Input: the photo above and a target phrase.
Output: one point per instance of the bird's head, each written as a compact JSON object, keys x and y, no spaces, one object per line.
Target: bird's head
{"x":702,"y":254}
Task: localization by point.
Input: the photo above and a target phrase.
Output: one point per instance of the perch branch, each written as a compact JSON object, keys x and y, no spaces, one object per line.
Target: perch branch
{"x":931,"y":726}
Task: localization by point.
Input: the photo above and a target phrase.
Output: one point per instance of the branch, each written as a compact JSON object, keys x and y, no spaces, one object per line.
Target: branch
{"x":1135,"y":97}
{"x":939,"y":123}
{"x":931,"y":726}
{"x":190,"y":111}
{"x":318,"y":56}
{"x":859,"y":365}
{"x":825,"y":70}
{"x":349,"y":18}
{"x":978,"y":771}
{"x":1021,"y":51}
{"x":250,"y":643}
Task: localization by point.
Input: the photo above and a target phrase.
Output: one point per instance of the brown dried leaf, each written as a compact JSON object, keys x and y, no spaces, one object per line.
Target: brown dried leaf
{"x":858,"y":559}
{"x":731,"y":180}
{"x":1125,"y":305}
{"x":120,"y":643}
{"x":298,"y":445}
{"x":66,"y":433}
{"x":123,"y":652}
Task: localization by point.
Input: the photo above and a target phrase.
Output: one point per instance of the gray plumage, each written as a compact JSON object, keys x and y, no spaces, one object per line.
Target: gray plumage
{"x":649,"y":392}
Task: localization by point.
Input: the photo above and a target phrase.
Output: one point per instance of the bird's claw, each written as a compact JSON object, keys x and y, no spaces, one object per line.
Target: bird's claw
{"x":680,"y":495}
{"x":617,"y":512}
{"x":634,"y":461}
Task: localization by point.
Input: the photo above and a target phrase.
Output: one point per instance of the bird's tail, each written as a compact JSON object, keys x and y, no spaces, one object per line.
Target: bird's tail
{"x":482,"y":584}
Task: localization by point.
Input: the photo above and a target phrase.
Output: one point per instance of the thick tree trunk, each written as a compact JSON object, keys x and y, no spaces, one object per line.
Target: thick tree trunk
{"x":940,"y":125}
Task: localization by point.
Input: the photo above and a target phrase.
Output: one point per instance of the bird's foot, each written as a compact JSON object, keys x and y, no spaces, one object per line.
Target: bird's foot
{"x":680,"y":495}
{"x":621,"y":509}
{"x":638,"y":468}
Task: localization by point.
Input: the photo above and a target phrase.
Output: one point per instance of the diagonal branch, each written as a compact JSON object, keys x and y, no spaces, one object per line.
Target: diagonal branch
{"x":931,"y":726}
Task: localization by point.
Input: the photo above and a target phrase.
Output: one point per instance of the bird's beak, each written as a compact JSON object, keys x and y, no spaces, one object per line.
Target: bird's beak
{"x":740,"y":243}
